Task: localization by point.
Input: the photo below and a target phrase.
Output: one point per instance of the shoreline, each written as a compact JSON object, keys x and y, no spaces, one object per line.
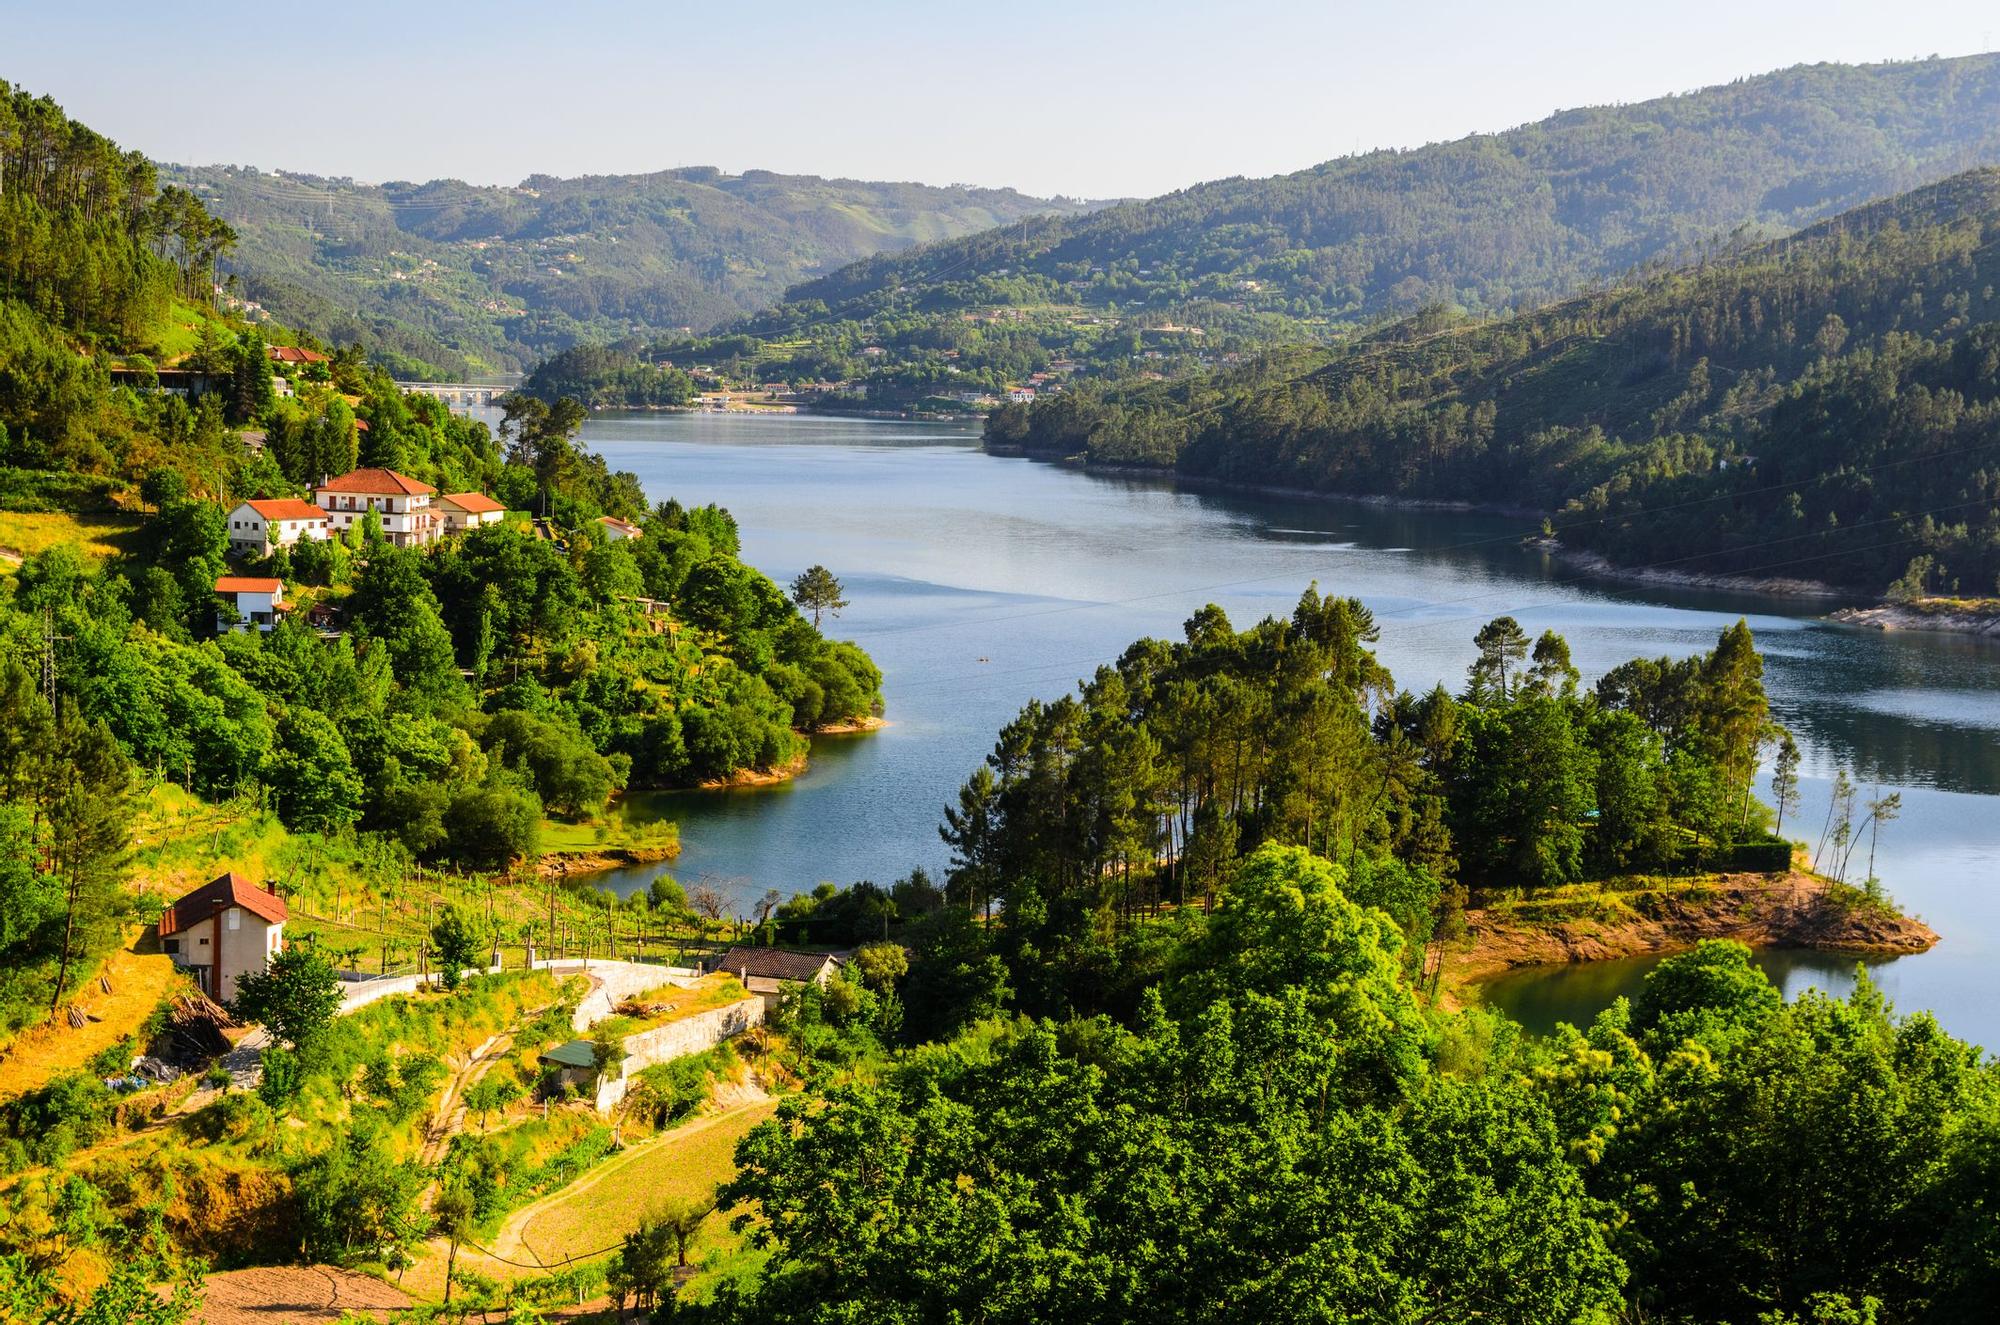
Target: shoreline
{"x":1914,"y":616}
{"x":850,"y":727}
{"x":561,"y":864}
{"x":744,"y":778}
{"x":1795,"y":910}
{"x":1602,"y":567}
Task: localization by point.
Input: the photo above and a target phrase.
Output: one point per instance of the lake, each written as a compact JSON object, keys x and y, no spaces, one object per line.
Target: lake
{"x":978,"y":583}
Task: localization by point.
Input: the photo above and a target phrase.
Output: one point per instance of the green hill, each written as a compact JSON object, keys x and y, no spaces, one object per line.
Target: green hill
{"x":1825,"y":406}
{"x":1486,"y":224}
{"x":469,"y":279}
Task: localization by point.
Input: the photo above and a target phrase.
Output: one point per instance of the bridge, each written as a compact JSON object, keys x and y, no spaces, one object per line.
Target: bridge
{"x":468,"y":394}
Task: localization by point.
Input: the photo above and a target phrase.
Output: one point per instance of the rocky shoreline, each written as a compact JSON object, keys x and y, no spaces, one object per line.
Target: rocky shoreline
{"x":1915,"y":616}
{"x":1796,"y":910}
{"x":561,"y":864}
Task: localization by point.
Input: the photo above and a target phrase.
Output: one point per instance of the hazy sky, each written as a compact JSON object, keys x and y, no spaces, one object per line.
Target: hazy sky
{"x":1051,"y":96}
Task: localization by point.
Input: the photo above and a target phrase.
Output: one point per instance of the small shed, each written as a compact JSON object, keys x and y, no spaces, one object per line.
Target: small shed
{"x":575,"y":1062}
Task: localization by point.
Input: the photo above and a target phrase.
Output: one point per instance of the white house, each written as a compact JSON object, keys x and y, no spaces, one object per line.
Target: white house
{"x":467,"y":510}
{"x":259,"y":526}
{"x":258,"y":602}
{"x":223,"y":930}
{"x":403,"y":503}
{"x":618,"y":530}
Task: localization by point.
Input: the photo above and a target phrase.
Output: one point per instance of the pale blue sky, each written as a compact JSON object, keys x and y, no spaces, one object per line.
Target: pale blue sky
{"x":1051,"y":96}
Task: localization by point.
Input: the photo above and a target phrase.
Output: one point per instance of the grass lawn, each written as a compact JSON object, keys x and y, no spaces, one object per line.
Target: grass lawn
{"x":609,"y":1202}
{"x":614,"y":831}
{"x":96,"y":537}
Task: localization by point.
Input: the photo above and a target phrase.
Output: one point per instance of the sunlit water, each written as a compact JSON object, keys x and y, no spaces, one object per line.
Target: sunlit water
{"x":978,"y":583}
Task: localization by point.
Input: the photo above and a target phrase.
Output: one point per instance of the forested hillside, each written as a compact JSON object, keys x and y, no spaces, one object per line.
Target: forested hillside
{"x":1822,"y":407}
{"x":450,"y":278}
{"x":419,"y":702}
{"x":1484,"y":225}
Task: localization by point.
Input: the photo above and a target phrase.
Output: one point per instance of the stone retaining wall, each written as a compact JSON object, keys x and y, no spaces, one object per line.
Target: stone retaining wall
{"x":677,"y":1039}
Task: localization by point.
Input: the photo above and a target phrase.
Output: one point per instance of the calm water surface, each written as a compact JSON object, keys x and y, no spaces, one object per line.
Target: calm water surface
{"x":978,"y":583}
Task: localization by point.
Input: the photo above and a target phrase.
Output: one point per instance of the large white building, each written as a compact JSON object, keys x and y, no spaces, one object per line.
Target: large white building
{"x":408,"y":517}
{"x":256,"y":602}
{"x":259,"y":526}
{"x":223,"y":930}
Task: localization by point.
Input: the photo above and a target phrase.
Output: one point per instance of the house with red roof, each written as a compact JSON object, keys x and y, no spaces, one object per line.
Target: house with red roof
{"x":468,"y":510}
{"x":223,"y":930}
{"x":258,"y":527}
{"x":292,"y":354}
{"x":249,"y":602}
{"x":408,"y":517}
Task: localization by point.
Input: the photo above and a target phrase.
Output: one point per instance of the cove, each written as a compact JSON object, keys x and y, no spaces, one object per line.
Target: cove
{"x":979,"y":582}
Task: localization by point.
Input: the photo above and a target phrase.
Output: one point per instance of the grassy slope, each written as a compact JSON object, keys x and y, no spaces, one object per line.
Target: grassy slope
{"x":593,"y":1213}
{"x":139,"y":981}
{"x":97,"y":538}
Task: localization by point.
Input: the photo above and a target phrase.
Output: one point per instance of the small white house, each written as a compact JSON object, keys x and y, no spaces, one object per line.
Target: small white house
{"x":468,"y":510}
{"x":403,"y":504}
{"x":618,"y":530}
{"x":259,"y":526}
{"x":256,"y":601}
{"x":223,"y":930}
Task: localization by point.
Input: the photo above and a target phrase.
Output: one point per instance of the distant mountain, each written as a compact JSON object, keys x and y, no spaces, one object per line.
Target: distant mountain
{"x":1822,"y":407}
{"x":1487,"y":223}
{"x":468,"y":279}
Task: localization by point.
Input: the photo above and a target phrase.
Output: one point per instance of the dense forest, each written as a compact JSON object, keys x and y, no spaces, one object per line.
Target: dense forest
{"x":443,"y":701}
{"x":1173,"y":1052}
{"x":1820,"y":407}
{"x":449,"y":279}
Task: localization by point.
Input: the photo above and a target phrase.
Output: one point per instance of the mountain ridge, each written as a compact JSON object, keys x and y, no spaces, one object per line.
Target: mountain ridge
{"x":458,"y":278}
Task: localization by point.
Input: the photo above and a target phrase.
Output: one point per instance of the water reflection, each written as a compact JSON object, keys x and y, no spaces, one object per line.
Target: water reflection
{"x":1543,"y":997}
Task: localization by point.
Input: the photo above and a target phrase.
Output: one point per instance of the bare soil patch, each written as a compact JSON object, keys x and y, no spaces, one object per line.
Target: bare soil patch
{"x":295,"y":1294}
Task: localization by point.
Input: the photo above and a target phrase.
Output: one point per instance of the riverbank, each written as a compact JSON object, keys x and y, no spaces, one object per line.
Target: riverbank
{"x":1599,"y":566}
{"x":561,"y":864}
{"x":793,"y":767}
{"x":1955,"y":616}
{"x":851,"y":727}
{"x":1596,"y":923}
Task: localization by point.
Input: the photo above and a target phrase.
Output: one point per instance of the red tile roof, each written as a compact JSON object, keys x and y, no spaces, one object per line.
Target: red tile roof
{"x":234,"y":584}
{"x":623,"y":526}
{"x":478,"y":503}
{"x":376,"y":482}
{"x":220,"y":894}
{"x":286,"y":508}
{"x":293,"y":354}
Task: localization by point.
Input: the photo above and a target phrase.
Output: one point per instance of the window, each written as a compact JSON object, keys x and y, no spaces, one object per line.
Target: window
{"x":235,"y":914}
{"x":204,"y":943}
{"x":172,"y":946}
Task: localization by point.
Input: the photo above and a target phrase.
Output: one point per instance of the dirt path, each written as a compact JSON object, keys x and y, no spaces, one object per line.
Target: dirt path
{"x":448,"y":1119}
